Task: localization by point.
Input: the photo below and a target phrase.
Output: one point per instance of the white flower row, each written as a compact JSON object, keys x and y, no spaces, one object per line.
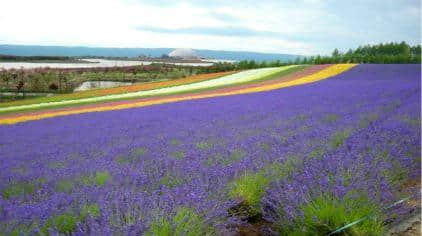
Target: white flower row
{"x":237,"y":78}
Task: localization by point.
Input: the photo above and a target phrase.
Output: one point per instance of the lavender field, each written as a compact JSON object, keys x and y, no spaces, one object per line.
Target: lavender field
{"x":288,"y":159}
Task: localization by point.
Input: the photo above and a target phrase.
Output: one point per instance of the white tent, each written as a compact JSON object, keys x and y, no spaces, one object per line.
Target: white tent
{"x":184,"y":53}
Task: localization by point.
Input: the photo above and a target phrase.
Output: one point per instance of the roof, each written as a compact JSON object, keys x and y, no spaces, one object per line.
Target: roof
{"x":185,"y":53}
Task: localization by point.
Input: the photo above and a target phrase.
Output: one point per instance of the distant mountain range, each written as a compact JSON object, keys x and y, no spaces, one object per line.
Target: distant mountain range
{"x":34,"y":50}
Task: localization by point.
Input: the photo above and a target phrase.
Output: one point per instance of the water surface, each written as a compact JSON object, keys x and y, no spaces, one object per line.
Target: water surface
{"x":99,"y":84}
{"x":90,"y":64}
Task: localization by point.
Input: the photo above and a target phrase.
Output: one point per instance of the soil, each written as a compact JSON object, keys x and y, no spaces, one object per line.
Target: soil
{"x":256,"y":225}
{"x":409,"y":225}
{"x":256,"y":229}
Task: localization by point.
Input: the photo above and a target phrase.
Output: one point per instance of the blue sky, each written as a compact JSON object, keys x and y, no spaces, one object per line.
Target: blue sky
{"x":290,"y":26}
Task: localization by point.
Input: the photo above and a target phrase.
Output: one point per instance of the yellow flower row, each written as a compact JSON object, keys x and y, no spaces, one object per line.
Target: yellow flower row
{"x":323,"y":74}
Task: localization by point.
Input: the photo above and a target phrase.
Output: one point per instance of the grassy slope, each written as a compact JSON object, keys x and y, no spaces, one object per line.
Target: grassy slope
{"x":270,"y":77}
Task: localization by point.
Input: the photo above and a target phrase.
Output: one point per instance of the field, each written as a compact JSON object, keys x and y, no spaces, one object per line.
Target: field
{"x":300,"y":152}
{"x":117,"y":90}
{"x":65,"y":80}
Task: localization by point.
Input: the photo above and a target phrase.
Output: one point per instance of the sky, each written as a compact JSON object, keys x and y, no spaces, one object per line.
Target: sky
{"x":305,"y":27}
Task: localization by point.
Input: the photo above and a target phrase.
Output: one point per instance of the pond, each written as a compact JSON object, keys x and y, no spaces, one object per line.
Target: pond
{"x":89,"y":63}
{"x":99,"y":84}
{"x":86,"y":63}
{"x":29,"y":94}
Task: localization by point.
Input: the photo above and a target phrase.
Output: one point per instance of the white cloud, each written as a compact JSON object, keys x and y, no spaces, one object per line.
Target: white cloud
{"x":310,"y":26}
{"x":113,"y":23}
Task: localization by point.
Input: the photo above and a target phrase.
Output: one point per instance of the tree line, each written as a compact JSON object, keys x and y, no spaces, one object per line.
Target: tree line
{"x":389,"y":53}
{"x":13,"y":58}
{"x":64,"y":80}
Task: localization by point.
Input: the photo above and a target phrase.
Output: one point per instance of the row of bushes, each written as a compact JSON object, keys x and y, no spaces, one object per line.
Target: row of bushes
{"x":64,"y":80}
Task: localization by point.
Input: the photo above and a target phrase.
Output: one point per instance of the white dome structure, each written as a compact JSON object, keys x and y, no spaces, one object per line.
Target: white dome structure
{"x":184,"y":53}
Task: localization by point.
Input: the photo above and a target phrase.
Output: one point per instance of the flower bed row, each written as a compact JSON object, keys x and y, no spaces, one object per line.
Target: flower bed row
{"x":119,"y":90}
{"x":326,"y":72}
{"x":241,"y":77}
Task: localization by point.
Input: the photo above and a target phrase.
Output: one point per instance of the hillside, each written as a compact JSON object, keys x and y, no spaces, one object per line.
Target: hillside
{"x":35,"y":50}
{"x":326,"y":143}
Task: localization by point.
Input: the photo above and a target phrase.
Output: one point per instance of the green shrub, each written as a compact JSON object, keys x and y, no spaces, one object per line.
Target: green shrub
{"x":339,"y":138}
{"x":236,"y":155}
{"x":325,"y":214}
{"x":367,"y":119}
{"x":123,"y":159}
{"x":178,"y":155}
{"x":99,"y":179}
{"x":90,"y":209}
{"x":233,"y":157}
{"x":416,"y":122}
{"x":250,"y":187}
{"x":204,"y":145}
{"x":134,"y":156}
{"x":184,"y":223}
{"x":174,"y":142}
{"x":330,"y":118}
{"x":318,"y":153}
{"x":285,"y":170}
{"x":210,"y":161}
{"x":19,"y":189}
{"x":65,"y":186}
{"x":57,"y":165}
{"x":21,"y":229}
{"x":64,"y":223}
{"x":169,"y":181}
{"x":397,"y":173}
{"x":138,"y":152}
{"x":266,"y":147}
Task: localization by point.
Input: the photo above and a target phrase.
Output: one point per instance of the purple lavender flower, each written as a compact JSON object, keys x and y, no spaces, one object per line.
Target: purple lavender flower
{"x":356,"y":131}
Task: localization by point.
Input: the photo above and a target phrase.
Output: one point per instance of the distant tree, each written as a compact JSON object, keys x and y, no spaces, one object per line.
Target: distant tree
{"x":335,"y":53}
{"x":53,"y":87}
{"x":21,"y":84}
{"x":252,"y":64}
{"x":317,"y":60}
{"x":5,"y":77}
{"x":263,"y":64}
{"x":61,"y":77}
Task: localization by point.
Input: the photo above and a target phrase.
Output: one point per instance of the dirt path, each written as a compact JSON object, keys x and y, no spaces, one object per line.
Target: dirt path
{"x":410,"y":225}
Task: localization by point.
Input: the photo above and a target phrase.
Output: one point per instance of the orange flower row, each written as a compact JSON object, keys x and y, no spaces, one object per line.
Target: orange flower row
{"x":155,"y":85}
